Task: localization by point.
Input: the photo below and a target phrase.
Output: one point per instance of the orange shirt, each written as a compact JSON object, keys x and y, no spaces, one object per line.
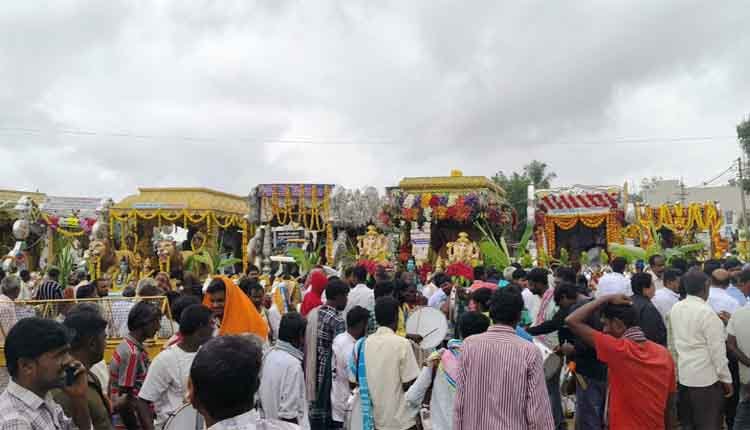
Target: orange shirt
{"x":641,"y":377}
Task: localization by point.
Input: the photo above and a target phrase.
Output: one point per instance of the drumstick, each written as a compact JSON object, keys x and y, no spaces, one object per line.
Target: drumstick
{"x":433,"y":331}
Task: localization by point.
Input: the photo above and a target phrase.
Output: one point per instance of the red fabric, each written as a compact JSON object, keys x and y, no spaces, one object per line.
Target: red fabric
{"x":314,"y":297}
{"x":641,"y":377}
{"x":481,"y":284}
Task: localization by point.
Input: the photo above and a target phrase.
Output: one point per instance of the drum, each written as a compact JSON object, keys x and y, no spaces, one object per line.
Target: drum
{"x":550,"y":360}
{"x":429,"y":323}
{"x":185,"y":418}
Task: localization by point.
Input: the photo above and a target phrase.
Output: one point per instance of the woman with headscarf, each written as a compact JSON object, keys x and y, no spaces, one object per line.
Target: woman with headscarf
{"x":233,"y":311}
{"x":314,"y":297}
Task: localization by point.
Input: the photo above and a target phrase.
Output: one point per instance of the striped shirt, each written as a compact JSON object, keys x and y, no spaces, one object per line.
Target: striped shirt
{"x":127,"y":370}
{"x":49,"y":290}
{"x":21,"y":409}
{"x":500,"y":384}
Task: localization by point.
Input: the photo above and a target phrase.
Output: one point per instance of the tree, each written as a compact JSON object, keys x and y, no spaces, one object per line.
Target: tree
{"x":743,"y":137}
{"x":516,"y":186}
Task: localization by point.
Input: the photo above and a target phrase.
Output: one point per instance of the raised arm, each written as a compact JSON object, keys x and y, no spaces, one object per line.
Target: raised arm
{"x":577,"y":320}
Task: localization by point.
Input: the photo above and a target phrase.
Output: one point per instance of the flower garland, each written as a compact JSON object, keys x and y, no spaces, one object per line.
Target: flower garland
{"x":703,"y":217}
{"x":85,"y":225}
{"x":461,"y":273}
{"x":567,"y":222}
{"x":459,"y":207}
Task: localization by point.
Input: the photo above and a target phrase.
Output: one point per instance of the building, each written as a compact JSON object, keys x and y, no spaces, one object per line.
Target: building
{"x":658,"y":192}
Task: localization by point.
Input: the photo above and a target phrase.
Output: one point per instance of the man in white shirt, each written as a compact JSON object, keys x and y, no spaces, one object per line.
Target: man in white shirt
{"x":698,"y":339}
{"x":666,"y":297}
{"x":10,"y":287}
{"x":615,"y":282}
{"x":361,"y":294}
{"x":282,"y":382}
{"x":738,"y":343}
{"x":440,"y":297}
{"x":224,"y":379}
{"x":343,"y":345}
{"x":718,"y":298}
{"x":166,"y":381}
{"x":390,"y":369}
{"x":656,"y":267}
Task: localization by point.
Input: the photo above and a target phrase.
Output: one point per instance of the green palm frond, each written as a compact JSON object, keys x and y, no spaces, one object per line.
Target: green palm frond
{"x":628,"y":252}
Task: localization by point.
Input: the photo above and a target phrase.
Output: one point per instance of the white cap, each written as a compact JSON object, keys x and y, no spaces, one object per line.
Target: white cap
{"x":613,"y":284}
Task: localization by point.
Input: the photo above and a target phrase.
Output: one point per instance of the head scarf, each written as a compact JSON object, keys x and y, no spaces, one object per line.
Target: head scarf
{"x":314,"y":297}
{"x":240,"y":315}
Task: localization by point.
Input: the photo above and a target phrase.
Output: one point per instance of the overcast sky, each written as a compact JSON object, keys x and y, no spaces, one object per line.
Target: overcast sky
{"x":230,"y":94}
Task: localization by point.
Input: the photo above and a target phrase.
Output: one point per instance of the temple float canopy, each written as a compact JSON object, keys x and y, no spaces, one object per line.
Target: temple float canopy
{"x":435,"y":212}
{"x":214,"y":220}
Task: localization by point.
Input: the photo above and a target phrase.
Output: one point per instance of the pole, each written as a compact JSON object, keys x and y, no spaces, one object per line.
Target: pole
{"x":742,"y":196}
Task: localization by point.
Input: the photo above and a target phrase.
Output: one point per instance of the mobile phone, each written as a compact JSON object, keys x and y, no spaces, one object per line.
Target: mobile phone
{"x":70,"y":375}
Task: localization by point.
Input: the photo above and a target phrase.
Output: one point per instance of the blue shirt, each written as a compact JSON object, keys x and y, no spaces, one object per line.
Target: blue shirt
{"x":737,"y":294}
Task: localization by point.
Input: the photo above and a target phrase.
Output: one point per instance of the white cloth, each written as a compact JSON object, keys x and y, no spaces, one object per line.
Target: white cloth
{"x":437,"y":299}
{"x":274,"y":320}
{"x":441,"y":402}
{"x":721,"y":301}
{"x":613,"y":283}
{"x":282,"y":388}
{"x":166,"y":382}
{"x":739,"y":327}
{"x":658,"y":283}
{"x":7,"y":316}
{"x":101,"y":371}
{"x":699,"y":342}
{"x":530,"y":301}
{"x":663,"y":301}
{"x":343,"y":345}
{"x":251,"y":420}
{"x":428,"y":290}
{"x":390,"y":363}
{"x":360,"y":295}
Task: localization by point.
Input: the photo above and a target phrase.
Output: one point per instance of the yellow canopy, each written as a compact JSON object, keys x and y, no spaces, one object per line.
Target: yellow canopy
{"x":193,"y":200}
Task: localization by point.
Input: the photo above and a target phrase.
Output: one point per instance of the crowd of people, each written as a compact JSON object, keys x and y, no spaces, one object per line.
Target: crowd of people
{"x":663,"y":346}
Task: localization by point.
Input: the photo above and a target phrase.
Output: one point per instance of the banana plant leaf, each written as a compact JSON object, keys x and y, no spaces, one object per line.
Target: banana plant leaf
{"x":493,"y":254}
{"x":628,"y":252}
{"x":201,"y":258}
{"x":524,"y":241}
{"x":227,"y":262}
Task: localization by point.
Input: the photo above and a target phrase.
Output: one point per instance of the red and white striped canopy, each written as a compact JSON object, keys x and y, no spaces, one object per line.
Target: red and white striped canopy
{"x":578,"y":201}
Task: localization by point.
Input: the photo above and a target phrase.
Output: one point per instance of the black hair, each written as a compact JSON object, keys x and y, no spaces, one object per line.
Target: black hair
{"x":53,"y":272}
{"x":482,"y":297}
{"x":383,"y":289}
{"x":180,"y":304}
{"x":625,"y":313}
{"x":567,"y":274}
{"x":618,"y":264}
{"x":640,"y":281}
{"x":32,"y":337}
{"x":349,"y":271}
{"x":386,"y":311}
{"x":357,"y":315}
{"x":506,"y":305}
{"x":247,"y":285}
{"x":671,"y":275}
{"x":652,"y":259}
{"x":360,"y":274}
{"x":566,"y":290}
{"x":215,"y":286}
{"x":225,"y":375}
{"x":252,"y":268}
{"x":493,"y":274}
{"x":732,"y":263}
{"x":472,"y":323}
{"x":744,"y":276}
{"x":694,"y":283}
{"x":519,"y":274}
{"x":128,"y":291}
{"x":336,"y":288}
{"x":440,"y":279}
{"x":84,"y":324}
{"x":710,"y":265}
{"x":86,"y":291}
{"x":141,"y":315}
{"x":194,"y":317}
{"x":24,"y":275}
{"x":680,"y":264}
{"x":537,"y":275}
{"x":479,"y":273}
{"x":292,"y":327}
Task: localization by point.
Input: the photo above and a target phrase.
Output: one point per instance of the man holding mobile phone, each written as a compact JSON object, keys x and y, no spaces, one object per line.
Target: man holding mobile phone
{"x":37,"y":352}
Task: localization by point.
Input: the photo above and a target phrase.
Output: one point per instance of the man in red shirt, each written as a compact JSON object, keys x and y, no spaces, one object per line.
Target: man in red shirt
{"x":641,"y":373}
